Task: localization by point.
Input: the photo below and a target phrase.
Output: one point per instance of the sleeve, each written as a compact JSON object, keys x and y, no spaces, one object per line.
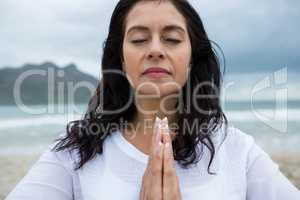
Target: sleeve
{"x":49,"y":178}
{"x":264,"y":179}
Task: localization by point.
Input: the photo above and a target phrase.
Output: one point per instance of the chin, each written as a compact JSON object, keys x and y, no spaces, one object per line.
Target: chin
{"x":160,"y":90}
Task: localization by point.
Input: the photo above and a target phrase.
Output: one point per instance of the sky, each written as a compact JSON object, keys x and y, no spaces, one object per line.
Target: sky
{"x":253,"y":34}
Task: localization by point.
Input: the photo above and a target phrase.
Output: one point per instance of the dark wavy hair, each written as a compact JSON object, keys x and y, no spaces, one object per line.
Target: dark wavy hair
{"x":114,"y":92}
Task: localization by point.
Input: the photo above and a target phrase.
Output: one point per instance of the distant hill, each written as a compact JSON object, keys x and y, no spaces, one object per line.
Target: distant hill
{"x":45,"y":83}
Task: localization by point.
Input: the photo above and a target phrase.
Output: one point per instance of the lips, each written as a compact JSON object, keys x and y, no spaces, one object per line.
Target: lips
{"x":156,"y":70}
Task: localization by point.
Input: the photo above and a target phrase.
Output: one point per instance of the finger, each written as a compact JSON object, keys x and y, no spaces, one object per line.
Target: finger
{"x":166,"y":137}
{"x":142,"y":192}
{"x":168,"y":157}
{"x":155,"y":163}
{"x":145,"y":183}
{"x":166,"y":130}
{"x":153,"y":173}
{"x":156,"y":152}
{"x":154,"y":144}
{"x":164,"y":126}
{"x":156,"y":170}
{"x":156,"y":136}
{"x":170,"y":181}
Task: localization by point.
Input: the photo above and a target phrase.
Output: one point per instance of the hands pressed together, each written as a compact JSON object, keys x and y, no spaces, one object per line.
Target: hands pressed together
{"x":160,"y":181}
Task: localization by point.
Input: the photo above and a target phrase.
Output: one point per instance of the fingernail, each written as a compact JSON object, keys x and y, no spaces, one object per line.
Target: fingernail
{"x":165,"y":125}
{"x":156,"y":121}
{"x":156,"y":128}
{"x":165,"y":120}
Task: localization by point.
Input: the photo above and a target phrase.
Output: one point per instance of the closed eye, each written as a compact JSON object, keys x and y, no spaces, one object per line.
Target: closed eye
{"x":171,"y":40}
{"x":175,"y":41}
{"x":138,"y":41}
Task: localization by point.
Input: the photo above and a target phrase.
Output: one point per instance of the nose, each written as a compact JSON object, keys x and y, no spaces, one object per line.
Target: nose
{"x":156,"y":50}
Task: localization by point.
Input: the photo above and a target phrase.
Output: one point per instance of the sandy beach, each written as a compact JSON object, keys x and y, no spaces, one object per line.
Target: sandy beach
{"x":290,"y":166}
{"x":13,"y":168}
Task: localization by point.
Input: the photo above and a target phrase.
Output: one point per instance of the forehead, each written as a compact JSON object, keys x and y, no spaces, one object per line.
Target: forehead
{"x":154,"y":14}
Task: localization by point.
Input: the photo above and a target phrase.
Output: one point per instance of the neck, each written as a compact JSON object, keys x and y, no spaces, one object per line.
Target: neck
{"x":141,"y":129}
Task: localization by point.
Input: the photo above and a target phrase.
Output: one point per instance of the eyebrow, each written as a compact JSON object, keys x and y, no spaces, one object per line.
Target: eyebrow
{"x":166,"y":28}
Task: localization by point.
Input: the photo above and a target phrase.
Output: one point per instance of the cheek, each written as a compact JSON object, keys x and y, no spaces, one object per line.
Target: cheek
{"x":131,"y":64}
{"x":181,"y":68}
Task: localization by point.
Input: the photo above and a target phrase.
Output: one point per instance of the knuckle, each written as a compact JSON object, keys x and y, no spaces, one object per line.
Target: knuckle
{"x":154,"y":168}
{"x":157,"y":157}
{"x":146,"y":173}
{"x":169,"y":173}
{"x":154,"y":196}
{"x":155,"y":172}
{"x":144,"y":178}
{"x":168,"y":159}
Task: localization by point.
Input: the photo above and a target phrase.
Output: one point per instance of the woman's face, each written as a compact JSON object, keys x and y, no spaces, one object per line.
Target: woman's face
{"x":156,"y":36}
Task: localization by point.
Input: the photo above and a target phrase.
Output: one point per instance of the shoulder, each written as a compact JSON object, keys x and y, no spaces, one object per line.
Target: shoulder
{"x":66,"y":158}
{"x":241,"y":149}
{"x":232,"y":139}
{"x":52,"y":175}
{"x":238,"y":139}
{"x":70,"y":157}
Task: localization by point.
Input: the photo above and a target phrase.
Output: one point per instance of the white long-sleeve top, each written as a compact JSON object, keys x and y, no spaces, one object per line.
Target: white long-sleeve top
{"x":244,"y":172}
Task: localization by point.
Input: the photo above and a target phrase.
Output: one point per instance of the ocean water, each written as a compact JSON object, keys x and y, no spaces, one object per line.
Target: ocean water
{"x":265,"y":105}
{"x":25,"y":133}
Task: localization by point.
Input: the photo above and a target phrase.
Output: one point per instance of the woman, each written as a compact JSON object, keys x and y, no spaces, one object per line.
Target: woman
{"x":157,"y":63}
